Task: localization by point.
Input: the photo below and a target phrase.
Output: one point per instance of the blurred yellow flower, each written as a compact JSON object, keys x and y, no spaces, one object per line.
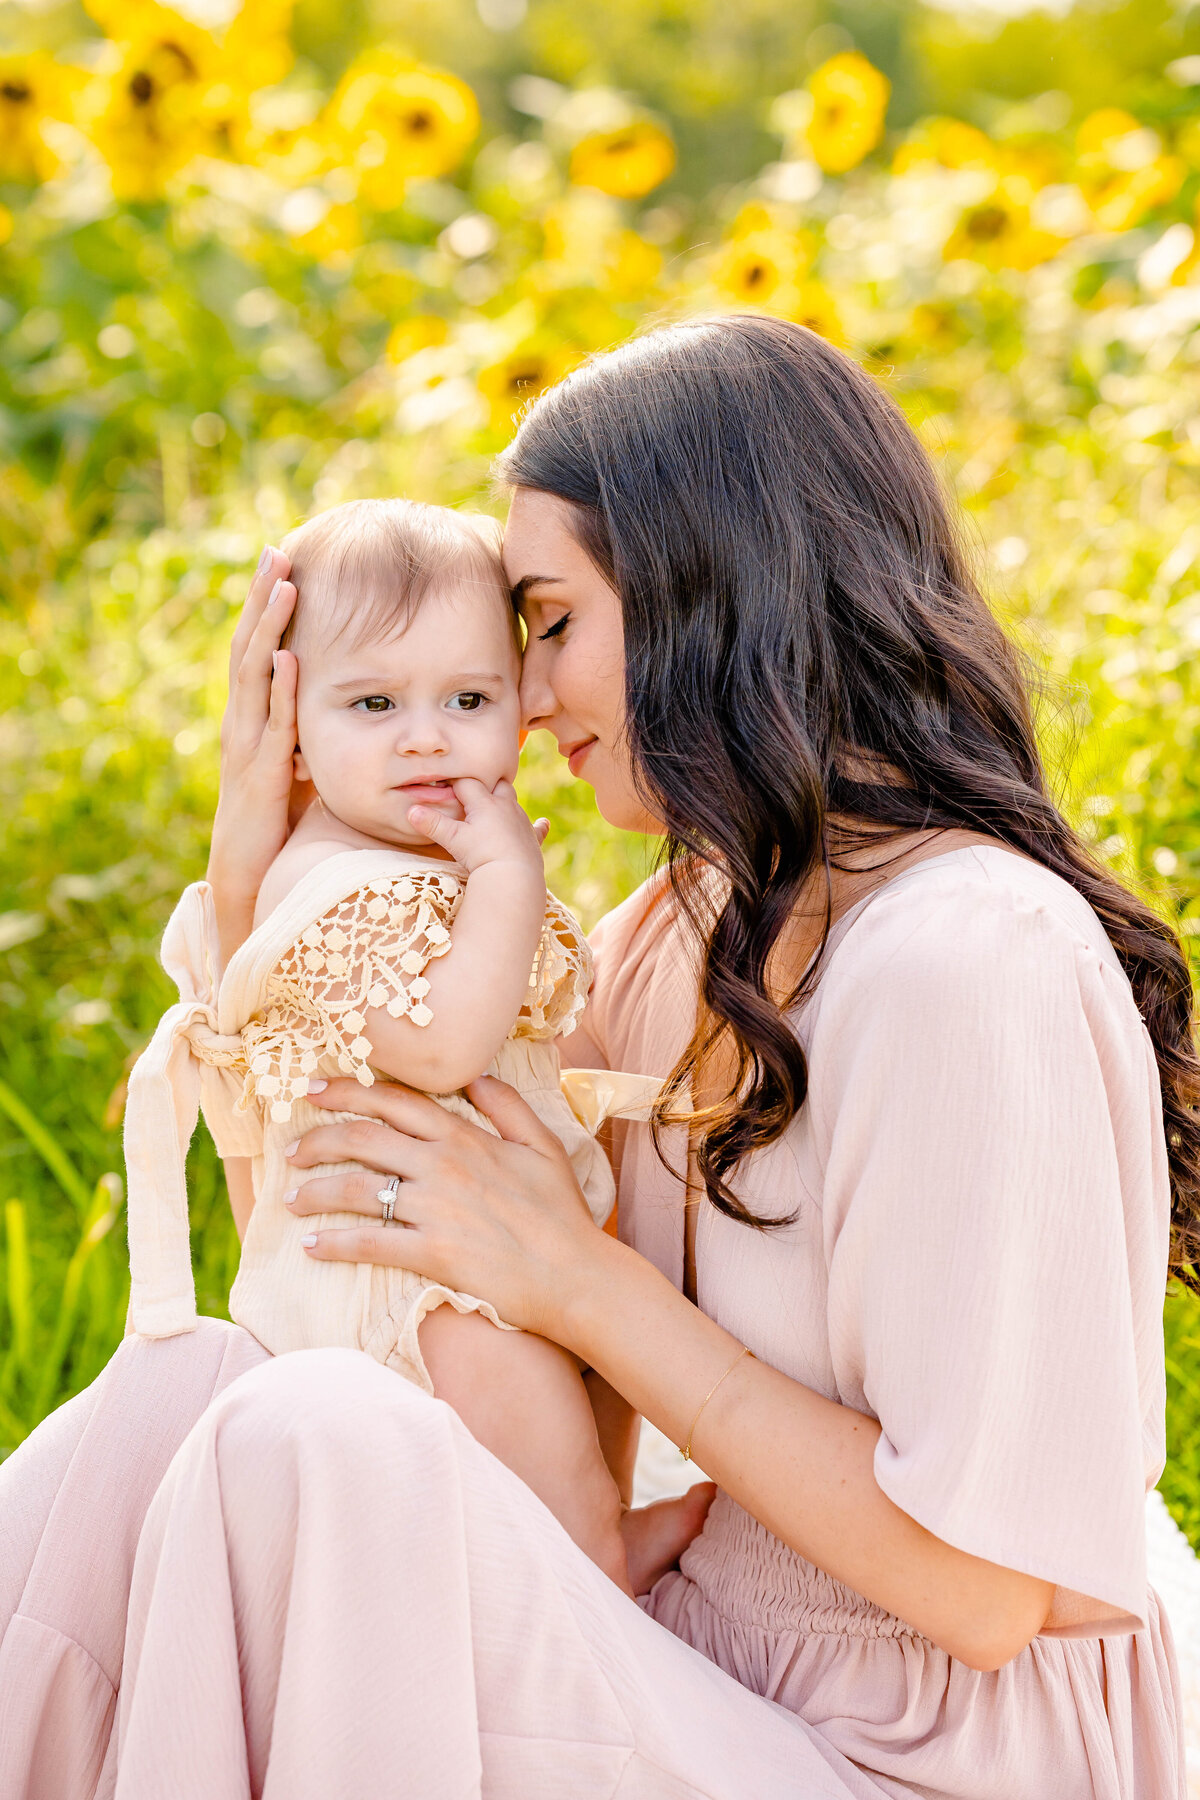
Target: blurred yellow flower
{"x":631,"y":265}
{"x":999,"y":231}
{"x":1102,"y":129}
{"x":1123,"y":172}
{"x":755,"y":265}
{"x":521,"y":376}
{"x":148,"y":117}
{"x":256,"y":44}
{"x":815,"y":307}
{"x":947,"y":142}
{"x":6,"y":224}
{"x":421,"y":332}
{"x":850,"y":98}
{"x":337,"y":231}
{"x":1123,"y":200}
{"x":32,"y":88}
{"x":626,"y":163}
{"x":401,"y":122}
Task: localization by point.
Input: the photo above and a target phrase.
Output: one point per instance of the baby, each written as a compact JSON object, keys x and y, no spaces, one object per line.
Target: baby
{"x":375,"y":954}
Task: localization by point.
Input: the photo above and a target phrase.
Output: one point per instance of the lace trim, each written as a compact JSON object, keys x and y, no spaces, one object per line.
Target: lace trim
{"x":372,"y":949}
{"x":560,"y":979}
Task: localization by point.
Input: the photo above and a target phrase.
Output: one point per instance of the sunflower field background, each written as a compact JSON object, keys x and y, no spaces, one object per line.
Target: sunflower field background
{"x":256,"y":259}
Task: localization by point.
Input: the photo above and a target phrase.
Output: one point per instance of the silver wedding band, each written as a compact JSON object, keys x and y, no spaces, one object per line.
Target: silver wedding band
{"x":388,"y":1197}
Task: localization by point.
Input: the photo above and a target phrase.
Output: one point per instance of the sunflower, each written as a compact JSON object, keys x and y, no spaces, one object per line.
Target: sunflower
{"x":401,"y":122}
{"x":626,"y":163}
{"x":32,"y":88}
{"x":850,"y":98}
{"x":999,"y":231}
{"x":755,"y":266}
{"x":812,"y":305}
{"x":521,"y":376}
{"x":948,"y":143}
{"x":148,"y":117}
{"x":420,"y":332}
{"x":1123,"y":172}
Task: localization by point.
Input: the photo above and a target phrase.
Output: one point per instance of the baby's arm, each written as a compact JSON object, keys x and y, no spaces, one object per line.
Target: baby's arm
{"x":477,"y":989}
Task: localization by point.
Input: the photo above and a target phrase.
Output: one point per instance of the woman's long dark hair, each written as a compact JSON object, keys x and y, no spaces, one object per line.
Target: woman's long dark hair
{"x":804,"y":644}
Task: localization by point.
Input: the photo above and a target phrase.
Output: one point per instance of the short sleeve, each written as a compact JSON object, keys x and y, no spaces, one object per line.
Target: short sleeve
{"x":370,"y":950}
{"x":995,"y":1192}
{"x":560,"y":977}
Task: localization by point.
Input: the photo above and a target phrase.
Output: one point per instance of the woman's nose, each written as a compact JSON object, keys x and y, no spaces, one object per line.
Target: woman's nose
{"x":538,"y":703}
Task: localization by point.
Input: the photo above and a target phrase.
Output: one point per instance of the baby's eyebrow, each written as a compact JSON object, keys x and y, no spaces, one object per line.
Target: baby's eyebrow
{"x":461,"y":678}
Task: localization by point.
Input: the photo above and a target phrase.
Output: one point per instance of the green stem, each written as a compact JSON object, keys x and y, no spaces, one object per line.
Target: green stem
{"x":39,"y":1139}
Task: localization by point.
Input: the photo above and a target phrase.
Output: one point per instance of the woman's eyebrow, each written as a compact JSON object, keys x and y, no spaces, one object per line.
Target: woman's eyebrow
{"x":526,"y":582}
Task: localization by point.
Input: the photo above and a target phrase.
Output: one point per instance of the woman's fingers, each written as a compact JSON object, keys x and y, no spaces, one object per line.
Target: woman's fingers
{"x":272,"y":564}
{"x":357,"y":1191}
{"x":356,"y":1140}
{"x":512,"y":1116}
{"x":382,"y":1245}
{"x":403,"y":1108}
{"x":281,"y":716}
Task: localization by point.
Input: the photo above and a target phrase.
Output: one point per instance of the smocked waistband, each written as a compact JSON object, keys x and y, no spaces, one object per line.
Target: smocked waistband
{"x":746,"y":1574}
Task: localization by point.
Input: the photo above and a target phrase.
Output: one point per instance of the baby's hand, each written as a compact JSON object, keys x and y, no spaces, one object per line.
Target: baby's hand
{"x":494,"y":828}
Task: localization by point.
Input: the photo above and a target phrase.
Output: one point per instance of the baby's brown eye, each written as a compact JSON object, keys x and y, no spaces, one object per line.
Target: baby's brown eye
{"x":374,"y":703}
{"x":467,"y":702}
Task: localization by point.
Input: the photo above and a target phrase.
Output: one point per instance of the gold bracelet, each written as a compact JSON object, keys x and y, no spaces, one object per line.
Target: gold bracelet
{"x":686,"y":1452}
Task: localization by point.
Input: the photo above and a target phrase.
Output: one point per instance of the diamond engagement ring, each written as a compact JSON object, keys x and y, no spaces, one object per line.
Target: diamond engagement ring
{"x":388,"y":1196}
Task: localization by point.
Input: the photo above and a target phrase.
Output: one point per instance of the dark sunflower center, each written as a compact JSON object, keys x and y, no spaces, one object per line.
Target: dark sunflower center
{"x":987,"y":223}
{"x":756,"y":274}
{"x":521,"y":380}
{"x":17,"y":92}
{"x":141,"y":88}
{"x":418,"y":123}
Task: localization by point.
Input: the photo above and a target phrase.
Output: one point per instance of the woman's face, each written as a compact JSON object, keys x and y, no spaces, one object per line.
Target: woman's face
{"x":573,"y":679}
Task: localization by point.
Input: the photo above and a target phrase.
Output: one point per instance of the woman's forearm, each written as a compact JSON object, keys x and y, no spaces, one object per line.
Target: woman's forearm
{"x":801,"y":1464}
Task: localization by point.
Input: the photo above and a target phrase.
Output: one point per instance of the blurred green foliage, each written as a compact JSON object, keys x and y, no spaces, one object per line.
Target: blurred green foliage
{"x":256,"y":261}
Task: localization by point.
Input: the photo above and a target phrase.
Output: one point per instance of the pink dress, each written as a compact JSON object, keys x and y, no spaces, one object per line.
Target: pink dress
{"x":333,"y":1591}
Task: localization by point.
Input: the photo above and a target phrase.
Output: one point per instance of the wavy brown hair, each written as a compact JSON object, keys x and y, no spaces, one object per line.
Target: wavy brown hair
{"x":805,"y":644}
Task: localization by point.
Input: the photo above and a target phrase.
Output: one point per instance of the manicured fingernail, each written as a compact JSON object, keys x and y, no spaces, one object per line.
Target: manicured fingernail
{"x":289,"y":1199}
{"x":273,"y":596}
{"x":292,"y":1148}
{"x":264,"y":561}
{"x":308,"y":1242}
{"x":317,"y":1087}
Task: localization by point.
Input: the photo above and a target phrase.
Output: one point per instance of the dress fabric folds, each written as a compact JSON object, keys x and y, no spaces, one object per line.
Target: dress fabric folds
{"x":228,"y":1576}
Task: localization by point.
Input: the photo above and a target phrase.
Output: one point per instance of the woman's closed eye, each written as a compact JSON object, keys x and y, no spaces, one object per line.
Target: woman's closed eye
{"x":555,"y":630}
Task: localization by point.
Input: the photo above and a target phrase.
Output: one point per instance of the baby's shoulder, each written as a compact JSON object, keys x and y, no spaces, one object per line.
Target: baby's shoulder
{"x":295,"y":861}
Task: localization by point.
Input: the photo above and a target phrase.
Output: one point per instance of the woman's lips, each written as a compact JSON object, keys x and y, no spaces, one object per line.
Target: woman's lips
{"x":576,"y":756}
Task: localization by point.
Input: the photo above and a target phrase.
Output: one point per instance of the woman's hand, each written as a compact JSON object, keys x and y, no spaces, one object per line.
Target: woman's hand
{"x":499,"y":1217}
{"x":258,"y":802}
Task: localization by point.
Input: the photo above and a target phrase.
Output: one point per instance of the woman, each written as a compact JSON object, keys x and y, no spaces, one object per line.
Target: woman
{"x":908,"y":1315}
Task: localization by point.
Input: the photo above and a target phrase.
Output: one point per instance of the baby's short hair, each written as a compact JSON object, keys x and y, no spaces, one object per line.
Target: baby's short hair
{"x":362,"y":569}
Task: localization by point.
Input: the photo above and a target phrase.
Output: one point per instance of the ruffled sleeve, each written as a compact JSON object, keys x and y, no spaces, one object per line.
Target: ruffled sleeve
{"x":995,"y":1216}
{"x":560,"y":977}
{"x":371,"y":949}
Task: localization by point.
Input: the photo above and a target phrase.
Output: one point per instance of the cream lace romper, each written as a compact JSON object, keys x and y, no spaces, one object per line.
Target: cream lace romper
{"x":359,"y":931}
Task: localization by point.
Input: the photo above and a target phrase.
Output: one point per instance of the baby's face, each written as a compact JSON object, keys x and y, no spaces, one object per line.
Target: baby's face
{"x":383,"y":727}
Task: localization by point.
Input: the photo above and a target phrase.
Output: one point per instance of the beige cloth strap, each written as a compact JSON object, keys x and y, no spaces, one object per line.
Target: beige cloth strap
{"x":160,"y":1118}
{"x":597,"y":1095}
